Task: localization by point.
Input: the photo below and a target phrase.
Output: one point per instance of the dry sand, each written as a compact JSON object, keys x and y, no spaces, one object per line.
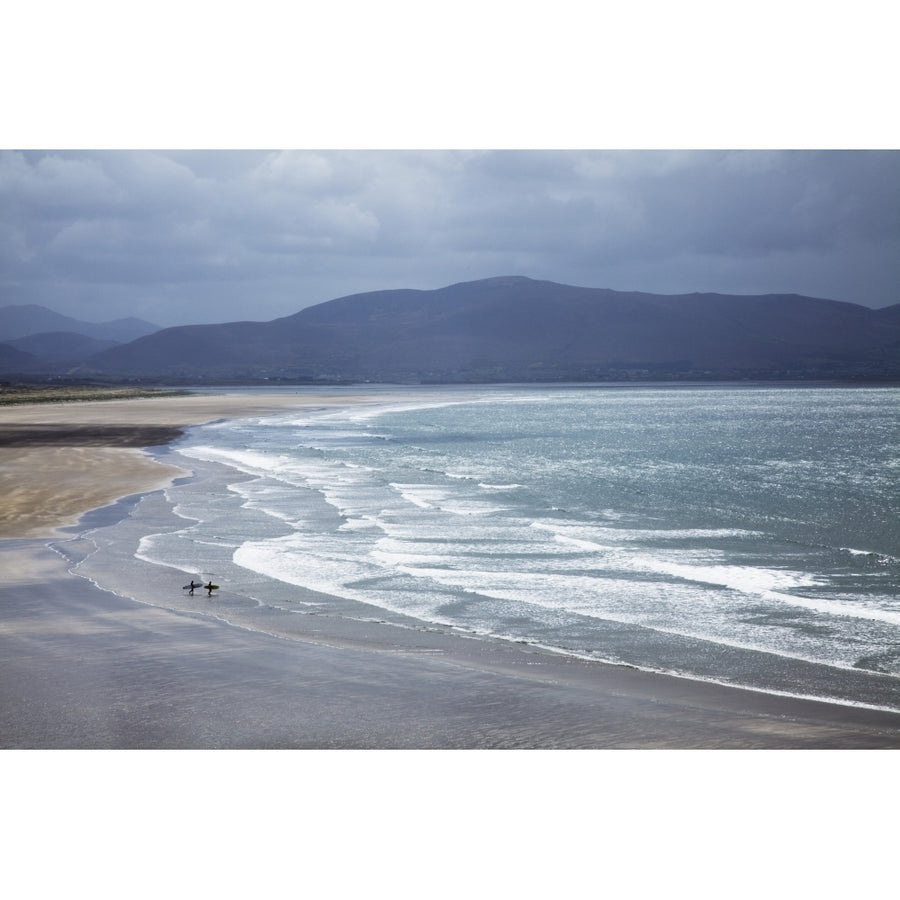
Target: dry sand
{"x":89,"y":668}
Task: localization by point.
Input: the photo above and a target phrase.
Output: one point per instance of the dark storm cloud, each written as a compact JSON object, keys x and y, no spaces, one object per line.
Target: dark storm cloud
{"x":192,"y":236}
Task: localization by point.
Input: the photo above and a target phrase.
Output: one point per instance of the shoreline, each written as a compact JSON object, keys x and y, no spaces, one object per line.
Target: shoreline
{"x":45,"y":445}
{"x":87,"y":666}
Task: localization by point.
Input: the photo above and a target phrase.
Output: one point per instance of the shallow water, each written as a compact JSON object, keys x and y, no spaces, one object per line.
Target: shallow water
{"x":746,"y":535}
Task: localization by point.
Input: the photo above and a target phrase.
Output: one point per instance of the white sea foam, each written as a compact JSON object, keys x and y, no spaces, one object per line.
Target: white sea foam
{"x":769,"y":584}
{"x":360,"y":523}
{"x":879,"y":557}
{"x":368,"y":413}
{"x":251,"y":462}
{"x":421,"y":495}
{"x":618,"y":535}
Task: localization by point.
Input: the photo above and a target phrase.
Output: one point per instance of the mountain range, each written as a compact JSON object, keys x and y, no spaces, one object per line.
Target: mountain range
{"x":27,"y":320}
{"x":31,"y":337}
{"x":508,"y":329}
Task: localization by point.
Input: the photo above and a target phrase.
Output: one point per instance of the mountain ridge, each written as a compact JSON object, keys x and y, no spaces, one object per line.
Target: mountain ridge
{"x":513,"y":328}
{"x":19,"y":321}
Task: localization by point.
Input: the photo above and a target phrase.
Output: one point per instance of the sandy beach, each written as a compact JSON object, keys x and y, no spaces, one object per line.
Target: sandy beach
{"x":58,"y":460}
{"x":85,"y":667}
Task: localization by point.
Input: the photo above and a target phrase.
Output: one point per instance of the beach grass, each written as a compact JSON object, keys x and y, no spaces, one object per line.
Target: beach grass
{"x":16,"y":394}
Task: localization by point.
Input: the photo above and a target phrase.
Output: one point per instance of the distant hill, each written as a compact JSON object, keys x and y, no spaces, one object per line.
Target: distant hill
{"x":14,"y":360}
{"x":61,"y":345}
{"x":26,"y":320}
{"x":519,"y":329}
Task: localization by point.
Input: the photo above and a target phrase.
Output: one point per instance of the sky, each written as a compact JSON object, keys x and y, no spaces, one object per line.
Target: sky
{"x":480,"y":140}
{"x":178,"y":237}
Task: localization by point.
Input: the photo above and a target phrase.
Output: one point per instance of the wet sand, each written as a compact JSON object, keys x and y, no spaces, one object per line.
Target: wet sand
{"x":84,"y":667}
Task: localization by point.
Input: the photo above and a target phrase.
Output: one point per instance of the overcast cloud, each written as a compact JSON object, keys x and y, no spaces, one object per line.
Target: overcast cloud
{"x":183,"y":237}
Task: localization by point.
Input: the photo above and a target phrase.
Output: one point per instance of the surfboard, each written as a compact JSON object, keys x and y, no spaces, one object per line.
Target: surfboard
{"x":187,"y":587}
{"x":211,"y":587}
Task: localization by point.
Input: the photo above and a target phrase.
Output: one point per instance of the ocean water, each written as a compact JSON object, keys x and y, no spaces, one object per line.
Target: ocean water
{"x":744,"y":535}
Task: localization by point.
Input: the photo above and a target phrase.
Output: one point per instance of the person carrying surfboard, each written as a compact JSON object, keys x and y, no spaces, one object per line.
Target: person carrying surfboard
{"x":210,"y":587}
